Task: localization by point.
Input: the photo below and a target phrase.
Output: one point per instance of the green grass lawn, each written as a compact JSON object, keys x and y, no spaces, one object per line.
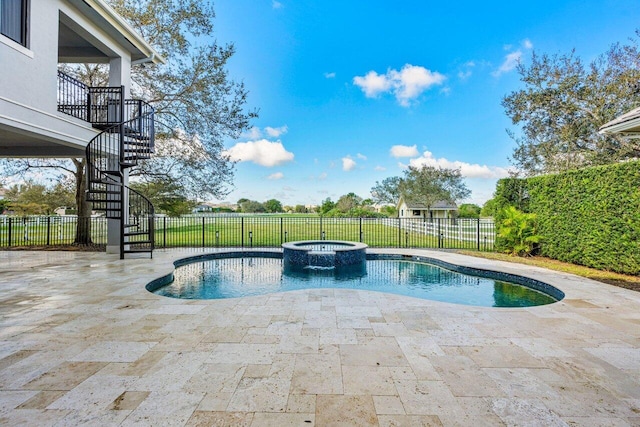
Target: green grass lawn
{"x":265,"y":231}
{"x":257,"y":231}
{"x":616,"y":279}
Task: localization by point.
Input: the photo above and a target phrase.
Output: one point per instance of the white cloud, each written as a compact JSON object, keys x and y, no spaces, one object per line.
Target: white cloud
{"x":256,"y":133}
{"x":467,"y":170}
{"x":361,"y":156}
{"x":372,"y":83}
{"x":380,"y":168}
{"x":322,"y":176}
{"x":287,"y":188}
{"x":329,"y":75}
{"x":276,"y":4}
{"x":262,"y":152}
{"x":276,"y":132}
{"x":464,"y":75}
{"x":466,"y":70}
{"x":510,"y":62}
{"x":276,"y":176}
{"x":407,"y":84}
{"x":253,"y":133}
{"x":404,"y":151}
{"x":348,"y":164}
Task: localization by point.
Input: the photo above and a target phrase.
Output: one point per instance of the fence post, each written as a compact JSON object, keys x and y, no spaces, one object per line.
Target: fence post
{"x":478,"y":233}
{"x":10,"y":231}
{"x":399,"y":233}
{"x":281,"y":230}
{"x":360,"y":229}
{"x":242,"y":231}
{"x":203,"y":231}
{"x":321,"y":236}
{"x":48,"y":230}
{"x":164,"y":232}
{"x":439,"y":235}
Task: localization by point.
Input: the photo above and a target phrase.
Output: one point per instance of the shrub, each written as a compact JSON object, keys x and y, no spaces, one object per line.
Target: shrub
{"x":518,"y":231}
{"x":589,"y":216}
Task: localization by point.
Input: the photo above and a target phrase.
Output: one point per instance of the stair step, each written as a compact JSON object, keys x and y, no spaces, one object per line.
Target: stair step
{"x":137,"y":250}
{"x":137,"y":143}
{"x":99,"y":201}
{"x":116,"y":172}
{"x":136,"y":233}
{"x":137,"y":136}
{"x":109,"y":181}
{"x":90,"y":191}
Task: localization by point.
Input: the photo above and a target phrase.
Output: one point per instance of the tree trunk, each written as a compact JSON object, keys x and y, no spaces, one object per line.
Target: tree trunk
{"x":83,"y":226}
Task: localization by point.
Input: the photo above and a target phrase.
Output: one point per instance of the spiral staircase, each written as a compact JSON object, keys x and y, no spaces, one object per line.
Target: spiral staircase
{"x":126,"y":137}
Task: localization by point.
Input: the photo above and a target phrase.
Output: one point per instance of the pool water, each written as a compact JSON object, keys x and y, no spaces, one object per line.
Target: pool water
{"x":239,"y":277}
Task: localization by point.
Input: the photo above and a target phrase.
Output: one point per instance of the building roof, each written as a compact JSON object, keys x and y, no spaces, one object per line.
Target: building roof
{"x":628,"y":122}
{"x":440,"y":205}
{"x":117,"y":27}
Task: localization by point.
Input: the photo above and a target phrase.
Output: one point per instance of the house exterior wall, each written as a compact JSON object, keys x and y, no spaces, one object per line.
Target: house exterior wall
{"x":405,"y":212}
{"x":28,"y":93}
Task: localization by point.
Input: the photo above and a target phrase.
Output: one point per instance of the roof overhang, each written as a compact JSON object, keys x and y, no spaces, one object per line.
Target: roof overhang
{"x":120,"y":30}
{"x":627,"y":125}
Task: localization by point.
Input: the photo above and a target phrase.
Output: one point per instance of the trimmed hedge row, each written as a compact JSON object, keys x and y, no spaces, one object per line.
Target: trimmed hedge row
{"x":588,"y":216}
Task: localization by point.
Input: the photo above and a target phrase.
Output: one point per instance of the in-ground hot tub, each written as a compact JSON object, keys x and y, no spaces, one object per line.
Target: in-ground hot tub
{"x":323,"y":254}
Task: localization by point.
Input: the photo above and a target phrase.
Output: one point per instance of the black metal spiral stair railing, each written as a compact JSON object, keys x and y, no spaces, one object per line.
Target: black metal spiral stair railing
{"x":127,"y":137}
{"x":119,"y":147}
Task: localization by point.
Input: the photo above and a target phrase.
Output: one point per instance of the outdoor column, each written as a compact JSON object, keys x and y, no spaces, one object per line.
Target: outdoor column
{"x":119,"y":75}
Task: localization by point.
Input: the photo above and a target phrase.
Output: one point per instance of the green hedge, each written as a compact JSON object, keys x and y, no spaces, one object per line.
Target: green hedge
{"x":588,"y":216}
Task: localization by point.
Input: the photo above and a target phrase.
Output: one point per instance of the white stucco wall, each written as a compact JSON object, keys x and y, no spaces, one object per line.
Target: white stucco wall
{"x":28,"y":76}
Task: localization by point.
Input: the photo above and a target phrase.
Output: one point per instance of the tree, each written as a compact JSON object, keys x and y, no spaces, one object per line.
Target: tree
{"x":167,"y":196}
{"x":348,"y":202}
{"x":564,"y":103}
{"x":489,"y":209}
{"x":387,"y":191}
{"x":300,"y":209}
{"x":273,"y":206}
{"x":251,"y":206}
{"x":32,"y":198}
{"x":389,"y":211}
{"x":197,"y":104}
{"x":326,"y":206}
{"x":469,"y":210}
{"x":427,"y":185}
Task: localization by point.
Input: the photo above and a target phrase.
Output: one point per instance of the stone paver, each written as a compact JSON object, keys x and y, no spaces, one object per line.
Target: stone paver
{"x":83,"y":343}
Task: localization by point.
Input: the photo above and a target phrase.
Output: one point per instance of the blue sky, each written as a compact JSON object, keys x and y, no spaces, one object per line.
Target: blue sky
{"x":350,"y":92}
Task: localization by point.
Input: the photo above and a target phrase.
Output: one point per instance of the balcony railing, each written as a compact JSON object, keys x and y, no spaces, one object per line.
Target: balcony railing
{"x":100,"y":106}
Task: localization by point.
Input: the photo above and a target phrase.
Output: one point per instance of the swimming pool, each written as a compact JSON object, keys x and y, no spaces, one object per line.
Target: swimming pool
{"x":230,"y":276}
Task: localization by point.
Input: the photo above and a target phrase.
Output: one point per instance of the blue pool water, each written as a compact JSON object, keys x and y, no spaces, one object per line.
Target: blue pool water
{"x":239,"y":277}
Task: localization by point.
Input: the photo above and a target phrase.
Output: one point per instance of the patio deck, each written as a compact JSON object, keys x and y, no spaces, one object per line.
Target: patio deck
{"x":83,"y":342}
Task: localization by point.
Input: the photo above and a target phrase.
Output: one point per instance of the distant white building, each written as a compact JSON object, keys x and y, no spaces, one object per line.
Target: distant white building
{"x":440,"y":209}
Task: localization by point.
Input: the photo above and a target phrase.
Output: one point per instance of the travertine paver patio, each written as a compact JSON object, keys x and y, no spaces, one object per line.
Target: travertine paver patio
{"x":82,"y":342}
